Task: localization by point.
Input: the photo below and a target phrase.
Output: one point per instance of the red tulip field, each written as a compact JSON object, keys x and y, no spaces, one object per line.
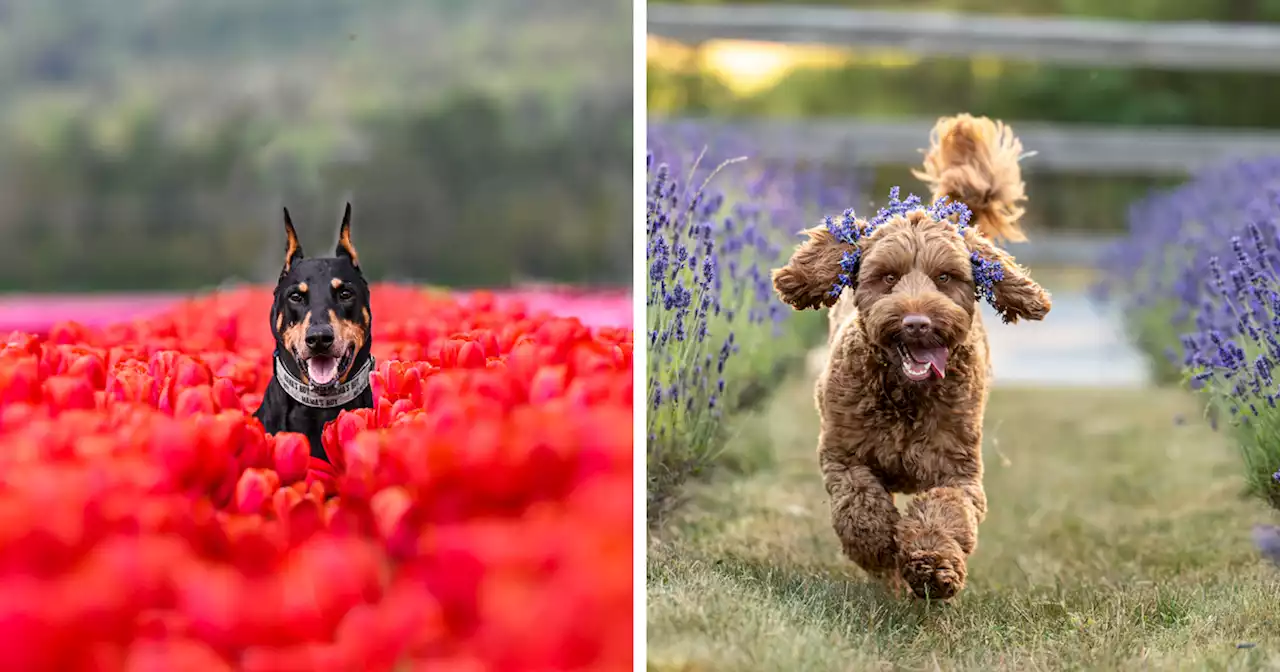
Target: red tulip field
{"x":477,"y":518}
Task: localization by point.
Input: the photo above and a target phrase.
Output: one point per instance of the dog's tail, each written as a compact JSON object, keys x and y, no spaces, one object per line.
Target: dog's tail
{"x":974,"y":160}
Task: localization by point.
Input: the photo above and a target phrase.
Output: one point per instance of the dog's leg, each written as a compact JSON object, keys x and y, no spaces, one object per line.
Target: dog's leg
{"x":938,"y":533}
{"x":863,"y":515}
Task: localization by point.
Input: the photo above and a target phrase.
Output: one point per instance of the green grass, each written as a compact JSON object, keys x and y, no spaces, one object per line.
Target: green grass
{"x":1117,"y":538}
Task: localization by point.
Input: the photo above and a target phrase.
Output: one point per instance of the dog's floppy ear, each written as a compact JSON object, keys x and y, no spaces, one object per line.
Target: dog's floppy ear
{"x":1012,"y":292}
{"x":293,"y":249}
{"x":345,"y":248}
{"x":810,"y":276}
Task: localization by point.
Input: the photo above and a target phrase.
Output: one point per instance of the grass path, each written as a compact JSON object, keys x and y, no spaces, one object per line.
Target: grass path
{"x":1116,"y":539}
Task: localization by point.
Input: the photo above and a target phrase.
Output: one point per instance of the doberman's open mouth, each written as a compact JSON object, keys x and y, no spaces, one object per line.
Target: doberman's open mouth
{"x":920,"y":363}
{"x":323,"y":370}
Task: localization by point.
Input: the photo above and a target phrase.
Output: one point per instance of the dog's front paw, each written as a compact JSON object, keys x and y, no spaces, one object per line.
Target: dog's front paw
{"x":934,"y":575}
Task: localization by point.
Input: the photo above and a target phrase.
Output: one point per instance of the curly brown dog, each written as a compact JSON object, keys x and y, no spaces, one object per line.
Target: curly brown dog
{"x":904,"y":388}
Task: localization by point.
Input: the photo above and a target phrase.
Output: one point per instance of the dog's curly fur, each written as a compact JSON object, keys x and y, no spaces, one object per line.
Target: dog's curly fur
{"x":883,"y":432}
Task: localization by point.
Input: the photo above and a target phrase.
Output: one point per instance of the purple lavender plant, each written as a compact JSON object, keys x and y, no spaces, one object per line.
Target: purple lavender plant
{"x":1199,"y":277}
{"x":1157,"y":274}
{"x":1232,"y":353}
{"x":1267,"y":539}
{"x":847,"y":229}
{"x":716,"y":225}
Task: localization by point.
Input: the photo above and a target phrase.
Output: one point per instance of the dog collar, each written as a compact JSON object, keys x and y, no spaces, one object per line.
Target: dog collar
{"x":338,"y":395}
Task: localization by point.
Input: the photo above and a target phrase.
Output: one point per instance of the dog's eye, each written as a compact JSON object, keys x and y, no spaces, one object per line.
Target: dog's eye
{"x":346,"y":295}
{"x":295,"y":297}
{"x":890,"y":278}
{"x":944,"y":278}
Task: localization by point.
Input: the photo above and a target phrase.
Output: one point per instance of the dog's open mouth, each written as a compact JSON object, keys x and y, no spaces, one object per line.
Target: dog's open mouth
{"x":920,"y":363}
{"x":323,"y":370}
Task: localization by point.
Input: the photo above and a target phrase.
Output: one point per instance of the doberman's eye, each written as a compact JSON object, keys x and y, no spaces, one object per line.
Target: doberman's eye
{"x":944,"y":278}
{"x":295,"y":297}
{"x":890,"y":278}
{"x":346,"y":295}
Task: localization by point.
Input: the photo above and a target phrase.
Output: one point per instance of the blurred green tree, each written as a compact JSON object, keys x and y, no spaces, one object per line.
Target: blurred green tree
{"x":150,"y":144}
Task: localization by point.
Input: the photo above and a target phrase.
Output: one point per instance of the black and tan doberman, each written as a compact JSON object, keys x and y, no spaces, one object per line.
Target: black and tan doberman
{"x":322,"y":325}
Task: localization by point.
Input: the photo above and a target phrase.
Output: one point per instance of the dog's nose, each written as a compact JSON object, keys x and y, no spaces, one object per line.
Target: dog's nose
{"x":916,"y":325}
{"x":320,"y":337}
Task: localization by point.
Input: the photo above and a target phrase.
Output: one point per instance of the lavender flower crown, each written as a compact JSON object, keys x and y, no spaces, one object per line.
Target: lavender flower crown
{"x":986,"y":273}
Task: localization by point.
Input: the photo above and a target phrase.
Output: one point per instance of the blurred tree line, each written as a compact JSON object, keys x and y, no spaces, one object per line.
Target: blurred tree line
{"x":870,"y":87}
{"x":472,"y":192}
{"x":149,"y":144}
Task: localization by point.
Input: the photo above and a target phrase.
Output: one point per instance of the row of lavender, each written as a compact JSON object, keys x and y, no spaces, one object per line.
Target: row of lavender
{"x":1198,"y":279}
{"x":718,"y":220}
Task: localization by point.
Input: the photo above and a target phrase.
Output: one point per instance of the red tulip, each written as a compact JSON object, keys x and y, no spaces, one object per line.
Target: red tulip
{"x":466,"y":521}
{"x":399,"y":409}
{"x":68,"y":392}
{"x":195,"y":401}
{"x":19,"y":379}
{"x":305,"y":519}
{"x":225,"y":396}
{"x":130,"y":384}
{"x":251,"y":400}
{"x":547,"y":383}
{"x":361,"y":457}
{"x":291,"y":456}
{"x":471,"y":355}
{"x":301,"y":658}
{"x":390,"y":507}
{"x":173,"y":654}
{"x":91,"y":368}
{"x":254,"y":489}
{"x":211,"y":599}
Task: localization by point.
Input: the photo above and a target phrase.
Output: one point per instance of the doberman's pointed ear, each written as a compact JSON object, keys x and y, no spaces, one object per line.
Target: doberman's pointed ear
{"x":345,"y":248}
{"x":293,"y":249}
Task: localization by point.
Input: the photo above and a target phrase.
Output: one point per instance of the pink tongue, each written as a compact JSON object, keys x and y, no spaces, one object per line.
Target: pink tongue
{"x":936,"y":358}
{"x":322,"y":370}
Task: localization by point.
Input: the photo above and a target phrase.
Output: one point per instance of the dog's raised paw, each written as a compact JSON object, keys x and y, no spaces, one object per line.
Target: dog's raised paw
{"x":932,"y":575}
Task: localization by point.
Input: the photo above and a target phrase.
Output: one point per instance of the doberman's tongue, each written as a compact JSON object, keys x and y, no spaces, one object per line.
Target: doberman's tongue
{"x":322,"y":370}
{"x":936,"y":358}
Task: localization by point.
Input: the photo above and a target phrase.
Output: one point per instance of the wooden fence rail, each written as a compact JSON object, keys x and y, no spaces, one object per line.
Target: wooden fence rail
{"x":1060,"y":148}
{"x":1084,"y":42}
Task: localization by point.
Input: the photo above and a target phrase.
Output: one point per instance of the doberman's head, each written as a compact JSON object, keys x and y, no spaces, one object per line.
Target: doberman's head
{"x":321,"y":317}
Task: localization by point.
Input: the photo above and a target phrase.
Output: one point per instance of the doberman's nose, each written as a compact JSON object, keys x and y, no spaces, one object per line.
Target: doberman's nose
{"x":320,"y":337}
{"x":916,"y":325}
